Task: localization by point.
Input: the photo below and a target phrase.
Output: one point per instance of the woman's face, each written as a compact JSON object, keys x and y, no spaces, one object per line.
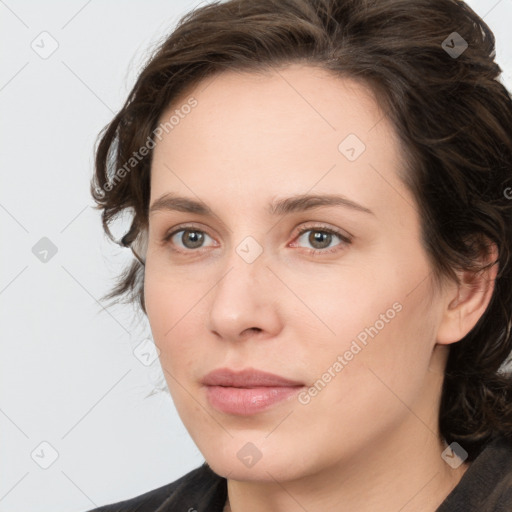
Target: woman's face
{"x":345,"y":309}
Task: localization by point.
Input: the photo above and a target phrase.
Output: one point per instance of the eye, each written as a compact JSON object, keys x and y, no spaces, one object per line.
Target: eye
{"x":190,"y":238}
{"x":321,"y":238}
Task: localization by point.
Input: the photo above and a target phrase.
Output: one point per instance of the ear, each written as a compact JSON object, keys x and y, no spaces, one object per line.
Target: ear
{"x":465,"y":303}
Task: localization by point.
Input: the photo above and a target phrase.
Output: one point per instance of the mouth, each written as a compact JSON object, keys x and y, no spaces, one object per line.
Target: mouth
{"x":247,"y":392}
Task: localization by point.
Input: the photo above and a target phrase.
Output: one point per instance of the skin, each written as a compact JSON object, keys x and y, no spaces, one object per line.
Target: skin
{"x":369,"y":440}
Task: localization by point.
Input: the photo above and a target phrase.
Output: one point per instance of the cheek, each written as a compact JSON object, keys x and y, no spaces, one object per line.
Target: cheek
{"x":346,"y":305}
{"x":395,"y":361}
{"x":368,"y":387}
{"x":172,"y":308}
{"x":378,"y":327}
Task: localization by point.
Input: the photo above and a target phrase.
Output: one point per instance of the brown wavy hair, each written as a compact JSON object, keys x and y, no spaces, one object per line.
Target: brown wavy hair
{"x":451,"y":112}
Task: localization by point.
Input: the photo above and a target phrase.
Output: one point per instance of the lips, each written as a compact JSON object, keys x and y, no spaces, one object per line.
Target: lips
{"x":248,"y":391}
{"x":249,"y":378}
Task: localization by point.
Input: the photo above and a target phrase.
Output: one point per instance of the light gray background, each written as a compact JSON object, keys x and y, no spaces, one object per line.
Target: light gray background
{"x":69,"y":376}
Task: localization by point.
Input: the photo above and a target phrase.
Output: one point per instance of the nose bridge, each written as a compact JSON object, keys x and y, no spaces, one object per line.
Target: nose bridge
{"x":242,"y":297}
{"x":246,"y":266}
{"x":250,"y":250}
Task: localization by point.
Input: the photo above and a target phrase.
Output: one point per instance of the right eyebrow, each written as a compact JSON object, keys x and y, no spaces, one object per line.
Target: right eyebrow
{"x":171,"y":202}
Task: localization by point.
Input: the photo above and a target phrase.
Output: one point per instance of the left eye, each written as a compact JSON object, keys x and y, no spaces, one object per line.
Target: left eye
{"x":321,"y":239}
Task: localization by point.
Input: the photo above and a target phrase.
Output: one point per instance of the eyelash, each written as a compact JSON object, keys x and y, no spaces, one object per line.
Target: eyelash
{"x":345,"y":240}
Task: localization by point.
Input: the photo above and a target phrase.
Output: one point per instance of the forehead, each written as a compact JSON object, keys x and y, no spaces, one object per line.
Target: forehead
{"x":290,"y":129}
{"x":279,"y":97}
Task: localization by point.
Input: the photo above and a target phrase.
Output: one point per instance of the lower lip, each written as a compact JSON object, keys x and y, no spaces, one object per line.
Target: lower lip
{"x":246,"y":401}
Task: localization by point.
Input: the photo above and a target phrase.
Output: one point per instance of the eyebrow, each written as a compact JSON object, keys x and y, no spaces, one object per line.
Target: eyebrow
{"x":278,"y":207}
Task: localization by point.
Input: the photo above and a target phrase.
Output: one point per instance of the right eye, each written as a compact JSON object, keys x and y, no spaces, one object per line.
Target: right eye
{"x":186,"y":238}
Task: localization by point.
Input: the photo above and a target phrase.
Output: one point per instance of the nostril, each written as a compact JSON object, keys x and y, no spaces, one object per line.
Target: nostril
{"x":253,"y":329}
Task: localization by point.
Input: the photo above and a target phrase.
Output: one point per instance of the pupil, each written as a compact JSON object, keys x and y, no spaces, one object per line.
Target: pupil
{"x":317,"y":236}
{"x":193,"y":239}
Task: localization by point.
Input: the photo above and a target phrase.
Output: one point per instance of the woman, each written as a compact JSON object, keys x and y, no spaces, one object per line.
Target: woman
{"x":322,"y":225}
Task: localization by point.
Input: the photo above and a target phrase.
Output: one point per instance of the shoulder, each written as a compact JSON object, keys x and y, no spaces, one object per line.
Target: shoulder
{"x":499,"y":462}
{"x":487,"y":484}
{"x":200,"y":489}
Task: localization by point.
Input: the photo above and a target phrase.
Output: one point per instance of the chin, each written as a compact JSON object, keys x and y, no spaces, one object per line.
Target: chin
{"x":268,"y":468}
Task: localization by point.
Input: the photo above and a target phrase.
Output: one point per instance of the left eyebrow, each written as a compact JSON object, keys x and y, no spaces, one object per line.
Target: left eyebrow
{"x":305,"y":202}
{"x":278,"y":207}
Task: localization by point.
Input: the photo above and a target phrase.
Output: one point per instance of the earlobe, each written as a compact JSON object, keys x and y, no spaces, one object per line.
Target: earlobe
{"x":468,"y":300}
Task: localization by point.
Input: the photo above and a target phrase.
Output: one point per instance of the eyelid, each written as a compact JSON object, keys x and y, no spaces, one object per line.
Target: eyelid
{"x":316,"y":226}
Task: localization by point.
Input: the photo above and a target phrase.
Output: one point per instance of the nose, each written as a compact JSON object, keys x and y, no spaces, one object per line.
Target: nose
{"x":244,"y":302}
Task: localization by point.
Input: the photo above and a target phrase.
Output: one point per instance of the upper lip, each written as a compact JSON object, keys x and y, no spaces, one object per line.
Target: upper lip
{"x":246,"y":379}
